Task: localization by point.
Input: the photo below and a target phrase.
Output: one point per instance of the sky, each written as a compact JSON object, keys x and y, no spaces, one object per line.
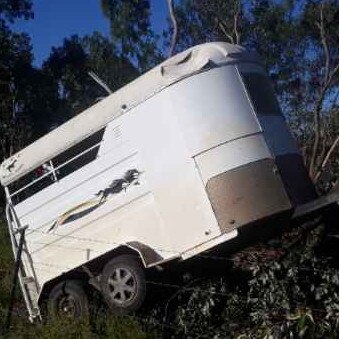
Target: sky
{"x":56,"y":19}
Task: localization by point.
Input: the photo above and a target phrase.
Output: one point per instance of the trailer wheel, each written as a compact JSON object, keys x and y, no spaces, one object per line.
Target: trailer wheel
{"x":123,"y":284}
{"x":67,"y":299}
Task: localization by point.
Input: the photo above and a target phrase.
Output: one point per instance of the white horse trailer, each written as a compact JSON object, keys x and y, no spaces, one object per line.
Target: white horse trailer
{"x":169,"y":166}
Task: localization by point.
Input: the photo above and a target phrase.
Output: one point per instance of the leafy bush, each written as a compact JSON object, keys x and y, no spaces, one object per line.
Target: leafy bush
{"x":297,"y":295}
{"x":292,"y":291}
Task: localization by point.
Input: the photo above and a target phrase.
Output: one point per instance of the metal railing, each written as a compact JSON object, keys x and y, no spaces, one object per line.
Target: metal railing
{"x":54,"y":170}
{"x":24,"y":269}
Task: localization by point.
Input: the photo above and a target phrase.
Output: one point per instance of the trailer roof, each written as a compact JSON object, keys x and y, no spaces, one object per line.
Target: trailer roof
{"x":182,"y":65}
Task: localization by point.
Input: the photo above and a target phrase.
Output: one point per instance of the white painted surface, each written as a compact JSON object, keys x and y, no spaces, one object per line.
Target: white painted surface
{"x":231,"y":155}
{"x":212,"y":108}
{"x":172,"y":175}
{"x":210,"y":244}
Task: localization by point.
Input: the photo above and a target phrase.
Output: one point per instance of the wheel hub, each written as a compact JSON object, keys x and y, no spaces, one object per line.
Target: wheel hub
{"x":122,"y":285}
{"x":67,"y":306}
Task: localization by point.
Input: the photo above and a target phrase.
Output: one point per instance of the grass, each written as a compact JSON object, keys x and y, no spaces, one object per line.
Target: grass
{"x":101,"y":326}
{"x":6,"y":264}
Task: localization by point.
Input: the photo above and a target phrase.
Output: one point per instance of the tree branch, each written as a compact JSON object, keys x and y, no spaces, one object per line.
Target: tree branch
{"x":323,"y":89}
{"x":223,"y":29}
{"x":323,"y":147}
{"x":100,"y":82}
{"x":327,"y":158}
{"x":317,"y":129}
{"x":235,"y":21}
{"x":324,"y":43}
{"x":175,"y":27}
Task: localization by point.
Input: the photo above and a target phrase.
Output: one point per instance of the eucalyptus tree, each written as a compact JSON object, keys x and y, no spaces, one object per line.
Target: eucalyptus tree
{"x":131,"y":31}
{"x":15,"y":61}
{"x":69,"y":66}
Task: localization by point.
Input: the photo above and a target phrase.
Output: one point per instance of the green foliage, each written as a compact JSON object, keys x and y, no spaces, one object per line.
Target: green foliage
{"x":10,"y":10}
{"x":131,"y":30}
{"x":203,"y":21}
{"x":5,"y":266}
{"x":292,"y":294}
{"x":298,"y":294}
{"x":69,"y":65}
{"x":15,"y":59}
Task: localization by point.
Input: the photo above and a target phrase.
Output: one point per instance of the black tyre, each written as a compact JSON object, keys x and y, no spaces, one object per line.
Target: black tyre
{"x":67,"y":299}
{"x":123,"y":284}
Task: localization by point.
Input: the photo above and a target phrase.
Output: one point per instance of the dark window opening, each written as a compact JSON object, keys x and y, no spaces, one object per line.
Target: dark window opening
{"x":33,"y":188}
{"x":261,"y":93}
{"x":69,"y":161}
{"x":92,"y":143}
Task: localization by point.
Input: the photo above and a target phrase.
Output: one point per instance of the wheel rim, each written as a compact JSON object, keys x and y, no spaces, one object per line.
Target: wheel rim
{"x":67,"y":306}
{"x":122,"y":286}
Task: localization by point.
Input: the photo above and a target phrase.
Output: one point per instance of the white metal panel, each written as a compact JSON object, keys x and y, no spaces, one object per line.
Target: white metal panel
{"x":44,"y":217}
{"x":128,"y":216}
{"x":115,"y":141}
{"x":80,"y":184}
{"x":212,"y":108}
{"x":137,"y":221}
{"x":172,"y":175}
{"x":210,"y":244}
{"x":231,"y":155}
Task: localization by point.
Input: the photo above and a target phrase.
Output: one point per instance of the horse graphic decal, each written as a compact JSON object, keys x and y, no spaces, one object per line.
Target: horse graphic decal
{"x":131,"y":177}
